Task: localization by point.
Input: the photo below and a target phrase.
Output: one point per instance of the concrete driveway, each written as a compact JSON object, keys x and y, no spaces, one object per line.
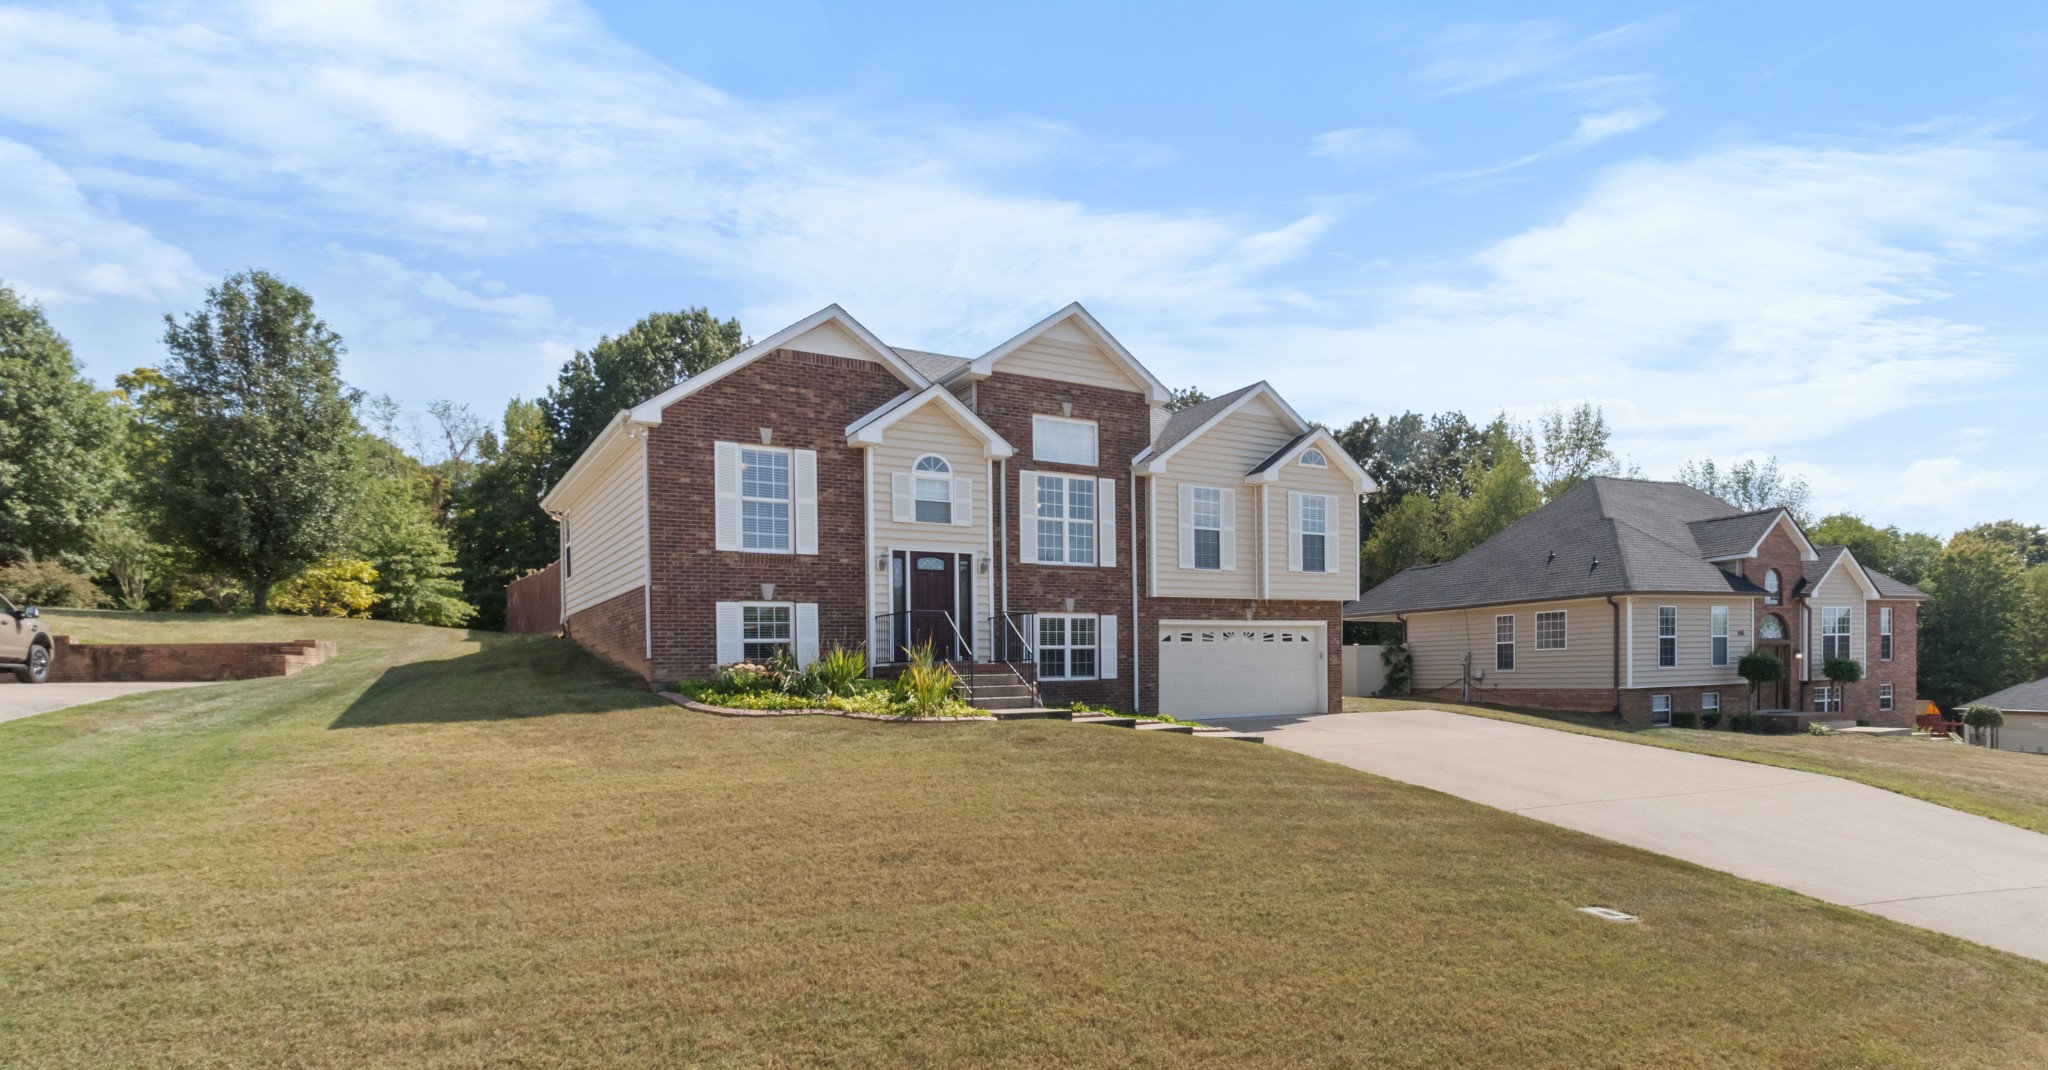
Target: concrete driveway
{"x":1829,"y":838}
{"x":27,"y":700}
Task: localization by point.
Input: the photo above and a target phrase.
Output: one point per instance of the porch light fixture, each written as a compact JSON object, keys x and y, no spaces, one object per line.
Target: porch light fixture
{"x":982,"y":567}
{"x":881,"y":562}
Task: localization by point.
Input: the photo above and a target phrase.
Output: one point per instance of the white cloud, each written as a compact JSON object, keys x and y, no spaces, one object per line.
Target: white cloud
{"x":57,"y":247}
{"x":1361,"y":145}
{"x":1480,"y":55}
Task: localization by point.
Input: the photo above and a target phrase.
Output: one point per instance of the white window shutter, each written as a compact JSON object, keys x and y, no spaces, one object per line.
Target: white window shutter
{"x":725,"y":486}
{"x":963,"y":502}
{"x":905,"y":503}
{"x":1105,"y":647}
{"x":1027,"y":520}
{"x":1331,"y":561}
{"x":806,"y":501}
{"x":1187,"y":526}
{"x":806,"y":633}
{"x":730,"y":646}
{"x":1030,"y":623}
{"x":1105,"y":523}
{"x":1228,"y":538}
{"x":1294,"y":530}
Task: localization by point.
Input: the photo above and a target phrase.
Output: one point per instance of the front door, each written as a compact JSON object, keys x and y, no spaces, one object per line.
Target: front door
{"x":1777,"y":695}
{"x":931,"y":603}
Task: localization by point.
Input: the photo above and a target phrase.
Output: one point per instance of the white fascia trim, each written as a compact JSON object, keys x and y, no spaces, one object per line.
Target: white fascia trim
{"x":1156,"y":391}
{"x":1151,"y":464}
{"x":869,"y":429}
{"x":1862,"y":580}
{"x":649,"y":411}
{"x":602,"y":450}
{"x":1806,"y":550}
{"x":1332,"y":451}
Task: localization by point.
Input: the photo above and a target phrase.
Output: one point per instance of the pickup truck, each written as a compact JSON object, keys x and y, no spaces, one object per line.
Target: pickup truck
{"x":25,"y":648}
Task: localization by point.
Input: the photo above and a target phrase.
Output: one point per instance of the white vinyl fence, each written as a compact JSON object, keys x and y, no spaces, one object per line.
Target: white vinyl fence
{"x":1365,"y":671}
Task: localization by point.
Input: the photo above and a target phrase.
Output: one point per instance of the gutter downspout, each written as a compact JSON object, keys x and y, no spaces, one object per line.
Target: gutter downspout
{"x":1616,"y":606}
{"x":1137,"y":667}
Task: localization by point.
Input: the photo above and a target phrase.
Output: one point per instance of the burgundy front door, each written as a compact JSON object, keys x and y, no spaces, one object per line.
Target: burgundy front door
{"x":931,"y":603}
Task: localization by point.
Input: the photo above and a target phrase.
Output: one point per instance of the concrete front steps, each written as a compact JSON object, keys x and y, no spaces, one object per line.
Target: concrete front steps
{"x":1004,"y":694}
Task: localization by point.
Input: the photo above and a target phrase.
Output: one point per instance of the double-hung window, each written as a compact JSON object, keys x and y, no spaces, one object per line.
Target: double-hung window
{"x":1884,"y":634}
{"x":1667,"y":637}
{"x":1066,"y":520}
{"x":1063,"y":441}
{"x":1066,"y":646}
{"x":1827,"y":698}
{"x":1315,"y":533}
{"x":764,"y":629}
{"x":1660,"y":711}
{"x":1207,"y":518}
{"x":1710,"y":702}
{"x":1834,"y":632}
{"x":764,"y":499}
{"x":1504,"y":642}
{"x":1884,"y":697}
{"x":933,"y":478}
{"x":1550,"y":630}
{"x":1717,"y":632}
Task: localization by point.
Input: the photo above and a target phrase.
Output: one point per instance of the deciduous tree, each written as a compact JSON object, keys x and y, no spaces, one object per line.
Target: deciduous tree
{"x":1967,"y":627}
{"x":59,"y":440}
{"x":617,"y":373}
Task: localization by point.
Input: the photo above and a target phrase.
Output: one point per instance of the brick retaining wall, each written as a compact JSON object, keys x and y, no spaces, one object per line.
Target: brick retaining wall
{"x":79,"y":663}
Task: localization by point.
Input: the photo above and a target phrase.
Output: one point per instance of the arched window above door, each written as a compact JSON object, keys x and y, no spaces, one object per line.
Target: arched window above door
{"x":1773,"y":627}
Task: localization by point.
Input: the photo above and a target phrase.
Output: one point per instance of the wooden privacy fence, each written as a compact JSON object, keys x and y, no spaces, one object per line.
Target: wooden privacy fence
{"x":533,"y":602}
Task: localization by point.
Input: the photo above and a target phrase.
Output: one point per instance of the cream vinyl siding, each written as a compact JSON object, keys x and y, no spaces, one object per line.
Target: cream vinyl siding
{"x":1841,"y":590}
{"x":832,"y":340}
{"x":1342,"y":548}
{"x":1220,"y":458}
{"x":1436,"y":640}
{"x":931,"y":430}
{"x":1066,"y":354}
{"x":608,"y":532}
{"x":1695,"y":647}
{"x":2024,"y":732}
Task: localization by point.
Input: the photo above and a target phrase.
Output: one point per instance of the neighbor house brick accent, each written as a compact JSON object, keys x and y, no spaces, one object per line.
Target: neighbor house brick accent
{"x":615,"y":630}
{"x":74,"y":662}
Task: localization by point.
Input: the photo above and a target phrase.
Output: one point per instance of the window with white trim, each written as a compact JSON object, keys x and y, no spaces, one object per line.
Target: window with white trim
{"x":1884,"y":697}
{"x":1315,"y":533}
{"x":1710,"y":702}
{"x":1066,"y":520}
{"x":1063,"y":441}
{"x":1884,"y":634}
{"x":764,"y":630}
{"x":1834,"y":633}
{"x":1660,"y":711}
{"x":1550,"y":630}
{"x":1667,"y":637}
{"x":934,"y":489}
{"x":1827,"y":698}
{"x":1066,"y":646}
{"x":1717,"y":633}
{"x":1504,"y":642}
{"x":1314,"y":459}
{"x":1771,"y":585}
{"x":764,"y":499}
{"x":568,"y":552}
{"x":1207,"y":518}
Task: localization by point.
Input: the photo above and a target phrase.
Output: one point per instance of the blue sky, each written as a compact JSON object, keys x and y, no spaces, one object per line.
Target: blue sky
{"x":1813,"y":230}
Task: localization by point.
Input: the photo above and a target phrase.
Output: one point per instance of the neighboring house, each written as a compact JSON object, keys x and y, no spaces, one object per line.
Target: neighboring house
{"x":2026,"y":716}
{"x":1035,"y":508}
{"x":1640,"y":598}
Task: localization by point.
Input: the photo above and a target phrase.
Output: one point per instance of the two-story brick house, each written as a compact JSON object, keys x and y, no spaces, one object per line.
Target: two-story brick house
{"x":1035,"y":509}
{"x":1641,"y":598}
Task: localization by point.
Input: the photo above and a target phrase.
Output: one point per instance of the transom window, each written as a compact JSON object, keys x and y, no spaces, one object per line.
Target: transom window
{"x":1066,"y":520}
{"x":1208,"y":524}
{"x":1834,"y":632}
{"x":1066,"y":647}
{"x":1550,"y":630}
{"x":934,"y":491}
{"x":1315,"y":533}
{"x":1773,"y":627}
{"x":764,"y":630}
{"x":1667,"y":637}
{"x":1504,"y":642}
{"x":764,"y":499}
{"x":1063,"y":441}
{"x":1717,"y":630}
{"x":1314,"y":459}
{"x":1771,"y":584}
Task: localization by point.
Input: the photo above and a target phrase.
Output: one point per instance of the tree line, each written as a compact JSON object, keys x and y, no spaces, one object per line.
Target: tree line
{"x":241,"y":472}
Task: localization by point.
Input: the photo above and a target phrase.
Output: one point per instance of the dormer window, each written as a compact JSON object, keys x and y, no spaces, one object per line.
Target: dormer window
{"x":1771,"y":585}
{"x":1314,"y":459}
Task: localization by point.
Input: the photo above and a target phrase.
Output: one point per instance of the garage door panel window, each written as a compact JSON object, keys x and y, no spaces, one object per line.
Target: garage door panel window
{"x":1067,"y":646}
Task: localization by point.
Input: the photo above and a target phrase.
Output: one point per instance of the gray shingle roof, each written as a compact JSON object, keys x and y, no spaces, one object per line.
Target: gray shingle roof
{"x":2025,"y":698}
{"x":1604,"y":536}
{"x":1887,"y":587}
{"x":1891,"y":588}
{"x":1732,"y":536}
{"x":1281,"y":452}
{"x":1184,"y":423}
{"x":933,"y":366}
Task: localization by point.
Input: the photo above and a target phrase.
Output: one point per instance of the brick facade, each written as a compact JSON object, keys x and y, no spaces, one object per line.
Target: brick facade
{"x":1124,"y":428}
{"x":1635,"y":702}
{"x":1561,"y":699}
{"x":615,"y":630}
{"x":73,"y":662}
{"x":806,"y":400}
{"x":1860,"y":700}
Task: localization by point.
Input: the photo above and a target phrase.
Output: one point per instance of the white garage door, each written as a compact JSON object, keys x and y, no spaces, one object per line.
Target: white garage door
{"x":1216,"y":669}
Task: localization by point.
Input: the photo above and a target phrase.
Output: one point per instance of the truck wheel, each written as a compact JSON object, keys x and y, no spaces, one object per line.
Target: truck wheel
{"x":38,"y":670}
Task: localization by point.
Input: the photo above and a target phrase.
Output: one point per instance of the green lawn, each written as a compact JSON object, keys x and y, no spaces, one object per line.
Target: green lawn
{"x":2002,"y":785}
{"x":441,"y":850}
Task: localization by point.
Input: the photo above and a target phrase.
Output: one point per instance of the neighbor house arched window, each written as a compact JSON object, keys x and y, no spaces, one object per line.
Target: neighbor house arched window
{"x":934,"y":489}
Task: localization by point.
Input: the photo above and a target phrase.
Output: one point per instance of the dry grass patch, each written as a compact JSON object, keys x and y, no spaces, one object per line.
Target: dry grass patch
{"x":443,"y":850}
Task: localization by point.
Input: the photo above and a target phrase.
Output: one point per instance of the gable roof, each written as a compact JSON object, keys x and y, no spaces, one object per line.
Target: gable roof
{"x":1156,"y":391}
{"x":1189,"y":423}
{"x":1334,"y":455}
{"x":2025,"y":698}
{"x":1605,"y":536}
{"x":649,"y":411}
{"x":1827,"y":560}
{"x":870,"y":429}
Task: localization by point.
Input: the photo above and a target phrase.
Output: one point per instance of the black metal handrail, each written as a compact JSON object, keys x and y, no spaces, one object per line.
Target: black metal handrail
{"x":1009,"y":642}
{"x":961,"y":646}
